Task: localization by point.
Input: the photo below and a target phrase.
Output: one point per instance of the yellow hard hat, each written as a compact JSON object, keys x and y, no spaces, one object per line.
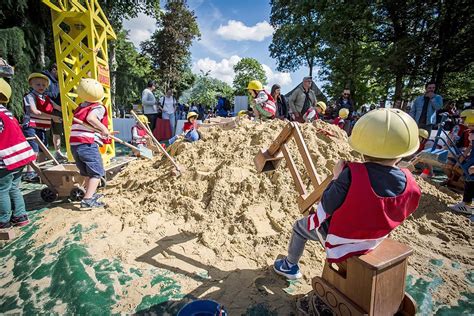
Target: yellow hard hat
{"x":5,"y":91}
{"x":467,"y":112}
{"x":38,"y":75}
{"x":322,"y":105}
{"x":255,"y":85}
{"x":386,"y":134}
{"x":143,"y":119}
{"x":242,"y":113}
{"x":90,"y":90}
{"x":469,"y":119}
{"x":423,"y":133}
{"x":343,"y":113}
{"x":191,"y":114}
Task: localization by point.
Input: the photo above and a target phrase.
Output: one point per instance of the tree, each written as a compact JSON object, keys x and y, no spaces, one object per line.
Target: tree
{"x":132,"y":71}
{"x":296,"y":38}
{"x":246,"y":70}
{"x":206,"y":89}
{"x":169,"y":45}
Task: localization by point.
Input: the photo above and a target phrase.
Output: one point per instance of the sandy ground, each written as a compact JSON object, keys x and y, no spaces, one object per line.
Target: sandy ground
{"x":220,"y":225}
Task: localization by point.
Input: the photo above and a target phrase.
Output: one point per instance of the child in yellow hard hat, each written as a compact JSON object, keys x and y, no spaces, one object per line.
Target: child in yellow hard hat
{"x":190,"y":129}
{"x":365,"y":201}
{"x":15,"y":154}
{"x":38,"y":109}
{"x":263,"y":101}
{"x":85,"y":141}
{"x":139,"y":135}
{"x":340,"y":120}
{"x":313,"y":114}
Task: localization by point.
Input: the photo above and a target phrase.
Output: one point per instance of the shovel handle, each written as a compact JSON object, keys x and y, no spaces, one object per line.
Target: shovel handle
{"x":118,"y":140}
{"x":148,"y":131}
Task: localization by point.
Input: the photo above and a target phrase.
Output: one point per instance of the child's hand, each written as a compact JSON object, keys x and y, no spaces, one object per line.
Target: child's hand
{"x":338,"y":168}
{"x":471,"y":170}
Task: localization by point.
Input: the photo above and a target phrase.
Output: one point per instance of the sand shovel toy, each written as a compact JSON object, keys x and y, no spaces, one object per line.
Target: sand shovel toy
{"x":179,"y":169}
{"x":139,"y":151}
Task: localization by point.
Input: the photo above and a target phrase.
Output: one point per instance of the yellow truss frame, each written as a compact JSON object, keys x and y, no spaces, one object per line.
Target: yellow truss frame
{"x":81,"y":31}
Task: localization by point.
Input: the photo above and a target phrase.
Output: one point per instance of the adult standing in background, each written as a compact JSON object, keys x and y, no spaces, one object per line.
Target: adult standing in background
{"x":168,"y":104}
{"x":57,"y":128}
{"x":280,"y":101}
{"x":345,"y":102}
{"x":301,"y":100}
{"x":149,"y":104}
{"x":425,"y":106}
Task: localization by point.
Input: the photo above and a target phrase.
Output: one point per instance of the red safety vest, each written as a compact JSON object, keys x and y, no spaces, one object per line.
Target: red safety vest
{"x":45,"y":106}
{"x":83,"y":134}
{"x":141,"y":135}
{"x":188,"y":126}
{"x":339,"y":122}
{"x":15,"y":152}
{"x":365,"y":219}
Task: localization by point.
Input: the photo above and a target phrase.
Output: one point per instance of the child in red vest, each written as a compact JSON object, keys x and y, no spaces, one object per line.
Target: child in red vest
{"x":365,"y":201}
{"x":343,"y":114}
{"x":313,"y":114}
{"x":190,"y":129}
{"x":85,"y":141}
{"x":139,"y":135}
{"x":15,"y":153}
{"x":264,"y":103}
{"x":38,"y":108}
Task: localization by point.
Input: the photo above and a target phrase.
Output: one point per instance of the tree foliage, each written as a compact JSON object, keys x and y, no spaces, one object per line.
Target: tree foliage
{"x":133,"y":70}
{"x":206,"y":89}
{"x":379,"y":49}
{"x":169,"y":46}
{"x":246,"y":70}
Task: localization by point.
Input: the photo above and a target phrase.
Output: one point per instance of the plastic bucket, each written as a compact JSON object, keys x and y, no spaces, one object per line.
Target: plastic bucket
{"x":202,"y":308}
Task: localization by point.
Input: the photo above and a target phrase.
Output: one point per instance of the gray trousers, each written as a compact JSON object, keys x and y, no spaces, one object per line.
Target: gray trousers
{"x":298,"y":240}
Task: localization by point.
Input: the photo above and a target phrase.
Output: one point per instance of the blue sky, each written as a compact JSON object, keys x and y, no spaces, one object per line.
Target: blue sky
{"x":230,"y":30}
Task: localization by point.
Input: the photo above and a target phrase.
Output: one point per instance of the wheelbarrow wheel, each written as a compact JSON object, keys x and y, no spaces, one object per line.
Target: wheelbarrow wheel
{"x":49,"y":195}
{"x":77,"y":194}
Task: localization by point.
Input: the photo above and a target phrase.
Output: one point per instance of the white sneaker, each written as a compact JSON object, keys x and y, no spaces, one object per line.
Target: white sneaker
{"x":461,"y":207}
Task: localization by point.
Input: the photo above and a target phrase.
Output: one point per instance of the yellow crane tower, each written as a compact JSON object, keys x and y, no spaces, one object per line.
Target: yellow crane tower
{"x":81,"y":31}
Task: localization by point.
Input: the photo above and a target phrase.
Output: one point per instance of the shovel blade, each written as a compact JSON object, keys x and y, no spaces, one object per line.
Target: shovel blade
{"x":145,"y":152}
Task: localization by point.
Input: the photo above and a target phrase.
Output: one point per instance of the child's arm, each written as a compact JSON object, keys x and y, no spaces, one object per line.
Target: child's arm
{"x":56,"y":107}
{"x":94,"y":121}
{"x":261,"y":97}
{"x":30,"y":103}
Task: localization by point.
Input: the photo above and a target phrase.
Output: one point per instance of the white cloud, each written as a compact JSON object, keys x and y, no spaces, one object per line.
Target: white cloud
{"x":141,"y":28}
{"x":224,"y":70}
{"x":238,"y":31}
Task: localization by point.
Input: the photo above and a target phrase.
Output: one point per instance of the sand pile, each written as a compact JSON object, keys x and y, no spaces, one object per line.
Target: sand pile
{"x":222,"y":220}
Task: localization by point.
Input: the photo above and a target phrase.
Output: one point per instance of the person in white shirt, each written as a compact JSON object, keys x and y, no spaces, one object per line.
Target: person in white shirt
{"x":149,"y":103}
{"x":168,"y":105}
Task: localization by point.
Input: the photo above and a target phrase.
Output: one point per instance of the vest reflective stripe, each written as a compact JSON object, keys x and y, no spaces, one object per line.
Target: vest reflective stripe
{"x":19,"y":157}
{"x":342,"y":252}
{"x":39,"y":121}
{"x":11,"y":150}
{"x":82,"y":134}
{"x":267,"y":108}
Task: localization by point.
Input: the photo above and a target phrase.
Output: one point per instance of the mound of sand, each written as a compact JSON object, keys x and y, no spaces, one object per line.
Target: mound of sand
{"x":222,"y":220}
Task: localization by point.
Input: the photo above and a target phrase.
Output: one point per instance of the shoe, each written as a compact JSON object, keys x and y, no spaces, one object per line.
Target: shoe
{"x":97,"y":196}
{"x":5,"y":225}
{"x":461,"y":207}
{"x":20,"y":220}
{"x":282,"y":267}
{"x":60,"y":157}
{"x":88,"y":204}
{"x":30,"y":177}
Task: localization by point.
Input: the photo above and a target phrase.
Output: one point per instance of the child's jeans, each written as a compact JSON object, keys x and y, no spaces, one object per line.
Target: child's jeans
{"x":11,"y":199}
{"x":301,"y":234}
{"x":191,"y":136}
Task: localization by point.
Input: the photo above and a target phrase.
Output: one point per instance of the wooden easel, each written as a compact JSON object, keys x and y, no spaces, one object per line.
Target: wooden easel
{"x":269,"y":159}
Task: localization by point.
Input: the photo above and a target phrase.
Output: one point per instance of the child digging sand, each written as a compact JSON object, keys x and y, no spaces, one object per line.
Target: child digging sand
{"x":85,"y":141}
{"x":15,"y":153}
{"x":365,"y":201}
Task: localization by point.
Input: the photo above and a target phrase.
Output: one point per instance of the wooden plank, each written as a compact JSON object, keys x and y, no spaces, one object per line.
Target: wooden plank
{"x":294,"y":172}
{"x":7,"y":234}
{"x":282,"y":138}
{"x":45,"y":150}
{"x":308,"y":162}
{"x":388,"y":253}
{"x":307,"y":201}
{"x":389,"y":290}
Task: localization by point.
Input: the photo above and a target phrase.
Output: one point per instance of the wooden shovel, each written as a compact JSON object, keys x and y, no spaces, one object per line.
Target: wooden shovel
{"x":178,"y":168}
{"x":142,"y":152}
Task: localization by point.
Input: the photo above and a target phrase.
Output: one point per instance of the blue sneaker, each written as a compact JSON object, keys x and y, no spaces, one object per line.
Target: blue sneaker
{"x":283,"y":267}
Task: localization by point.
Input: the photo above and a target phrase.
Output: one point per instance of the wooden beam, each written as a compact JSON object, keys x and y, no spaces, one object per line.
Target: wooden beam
{"x":294,"y":172}
{"x":308,"y":162}
{"x":307,"y":201}
{"x":281,"y":139}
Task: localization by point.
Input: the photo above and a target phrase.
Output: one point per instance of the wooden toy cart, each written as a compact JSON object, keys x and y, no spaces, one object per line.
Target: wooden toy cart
{"x":372,"y":284}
